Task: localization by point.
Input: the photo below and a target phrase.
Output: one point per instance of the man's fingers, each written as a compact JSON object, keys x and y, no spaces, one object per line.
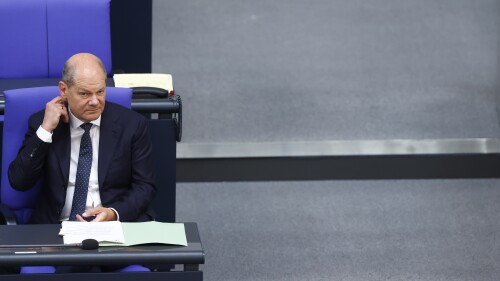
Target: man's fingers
{"x":56,"y":99}
{"x":55,"y":110}
{"x":100,"y":217}
{"x":57,"y":102}
{"x":79,"y":218}
{"x":88,"y":217}
{"x":100,"y":214}
{"x":91,"y":212}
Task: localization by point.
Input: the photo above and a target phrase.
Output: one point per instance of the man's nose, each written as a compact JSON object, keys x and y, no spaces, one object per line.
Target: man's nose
{"x":93,"y":100}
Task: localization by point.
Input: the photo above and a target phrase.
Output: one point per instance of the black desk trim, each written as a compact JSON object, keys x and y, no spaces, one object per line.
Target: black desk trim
{"x":136,"y":276}
{"x":53,"y":255}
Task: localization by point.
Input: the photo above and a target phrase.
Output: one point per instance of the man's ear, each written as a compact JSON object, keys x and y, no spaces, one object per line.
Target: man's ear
{"x":63,"y":89}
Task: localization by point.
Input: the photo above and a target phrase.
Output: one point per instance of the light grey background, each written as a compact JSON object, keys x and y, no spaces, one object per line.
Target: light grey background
{"x":258,"y":71}
{"x":347,"y":230}
{"x":329,"y":69}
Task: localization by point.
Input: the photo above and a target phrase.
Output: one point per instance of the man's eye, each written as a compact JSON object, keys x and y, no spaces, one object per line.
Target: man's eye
{"x":83,"y":94}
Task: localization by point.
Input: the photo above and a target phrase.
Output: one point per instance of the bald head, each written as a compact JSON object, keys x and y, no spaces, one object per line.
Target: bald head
{"x":83,"y":86}
{"x":79,"y":63}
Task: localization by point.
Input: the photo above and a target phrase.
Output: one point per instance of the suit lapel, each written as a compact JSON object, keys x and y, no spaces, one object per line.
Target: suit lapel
{"x":108,"y":140}
{"x":62,"y":147}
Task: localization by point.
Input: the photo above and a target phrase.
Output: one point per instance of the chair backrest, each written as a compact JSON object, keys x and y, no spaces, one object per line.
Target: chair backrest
{"x":38,"y":36}
{"x":23,"y":33}
{"x":77,"y":26}
{"x":20,"y":104}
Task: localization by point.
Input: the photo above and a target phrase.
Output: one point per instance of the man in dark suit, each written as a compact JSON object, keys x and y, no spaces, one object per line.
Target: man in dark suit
{"x":120,"y":182}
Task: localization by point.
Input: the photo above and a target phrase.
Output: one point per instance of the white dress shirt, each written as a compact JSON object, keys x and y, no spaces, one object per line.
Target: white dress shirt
{"x":93,"y":196}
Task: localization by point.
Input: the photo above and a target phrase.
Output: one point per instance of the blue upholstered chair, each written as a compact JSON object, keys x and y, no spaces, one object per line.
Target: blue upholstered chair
{"x":23,"y":33}
{"x":38,"y":36}
{"x":77,"y":26}
{"x":19,"y":105}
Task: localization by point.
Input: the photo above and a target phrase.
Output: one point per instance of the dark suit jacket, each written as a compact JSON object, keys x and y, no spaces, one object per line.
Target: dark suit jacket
{"x":125,"y":168}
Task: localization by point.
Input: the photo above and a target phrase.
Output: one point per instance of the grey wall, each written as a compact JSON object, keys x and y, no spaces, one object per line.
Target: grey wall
{"x":330,"y":69}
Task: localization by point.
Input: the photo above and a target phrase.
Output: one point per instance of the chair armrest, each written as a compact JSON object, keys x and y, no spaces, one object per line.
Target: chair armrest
{"x":157,"y":92}
{"x":178,"y":117}
{"x":7,"y":216}
{"x":138,"y":92}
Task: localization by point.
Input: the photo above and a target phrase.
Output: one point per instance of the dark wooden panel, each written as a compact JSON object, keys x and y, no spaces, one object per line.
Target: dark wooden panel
{"x":131,"y":33}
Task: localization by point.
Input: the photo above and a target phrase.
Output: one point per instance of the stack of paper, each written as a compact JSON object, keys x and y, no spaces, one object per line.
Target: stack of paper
{"x":75,"y":232}
{"x":157,"y":80}
{"x":115,"y":233}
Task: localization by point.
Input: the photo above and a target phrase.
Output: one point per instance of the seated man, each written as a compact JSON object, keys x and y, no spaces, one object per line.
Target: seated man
{"x":95,"y":156}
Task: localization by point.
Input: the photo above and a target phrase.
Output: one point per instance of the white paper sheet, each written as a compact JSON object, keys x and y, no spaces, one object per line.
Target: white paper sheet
{"x":75,"y":232}
{"x":158,"y":80}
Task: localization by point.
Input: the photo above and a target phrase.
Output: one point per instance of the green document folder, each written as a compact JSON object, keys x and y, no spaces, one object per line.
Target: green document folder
{"x":137,"y":233}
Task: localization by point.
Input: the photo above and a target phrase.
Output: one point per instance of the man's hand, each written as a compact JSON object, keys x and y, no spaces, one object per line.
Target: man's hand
{"x":100,"y":213}
{"x":55,"y":110}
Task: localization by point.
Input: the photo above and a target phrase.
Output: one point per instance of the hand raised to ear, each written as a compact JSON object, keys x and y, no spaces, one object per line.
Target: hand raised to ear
{"x":55,"y":110}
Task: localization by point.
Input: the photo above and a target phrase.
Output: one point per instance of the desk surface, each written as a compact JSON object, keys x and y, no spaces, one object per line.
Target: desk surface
{"x":30,"y":238}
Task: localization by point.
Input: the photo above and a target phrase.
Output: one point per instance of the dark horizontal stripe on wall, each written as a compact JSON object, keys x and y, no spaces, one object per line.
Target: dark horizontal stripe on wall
{"x":433,"y":166}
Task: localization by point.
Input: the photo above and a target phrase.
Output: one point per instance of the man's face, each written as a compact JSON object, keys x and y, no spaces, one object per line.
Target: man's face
{"x":86,"y":97}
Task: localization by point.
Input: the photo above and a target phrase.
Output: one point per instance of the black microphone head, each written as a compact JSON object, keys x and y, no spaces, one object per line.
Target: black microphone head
{"x":90,"y":244}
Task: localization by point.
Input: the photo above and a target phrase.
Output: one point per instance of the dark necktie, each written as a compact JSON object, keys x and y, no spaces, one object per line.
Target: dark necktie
{"x":82,"y":174}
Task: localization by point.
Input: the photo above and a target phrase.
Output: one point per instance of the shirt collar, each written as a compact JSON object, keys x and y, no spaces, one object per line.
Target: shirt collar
{"x":75,"y":122}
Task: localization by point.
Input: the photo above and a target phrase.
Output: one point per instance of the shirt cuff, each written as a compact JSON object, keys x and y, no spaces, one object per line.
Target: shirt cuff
{"x":44,"y":135}
{"x":117,"y":215}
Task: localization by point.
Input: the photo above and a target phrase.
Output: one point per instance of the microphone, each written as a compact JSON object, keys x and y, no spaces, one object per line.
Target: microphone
{"x":87,"y":244}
